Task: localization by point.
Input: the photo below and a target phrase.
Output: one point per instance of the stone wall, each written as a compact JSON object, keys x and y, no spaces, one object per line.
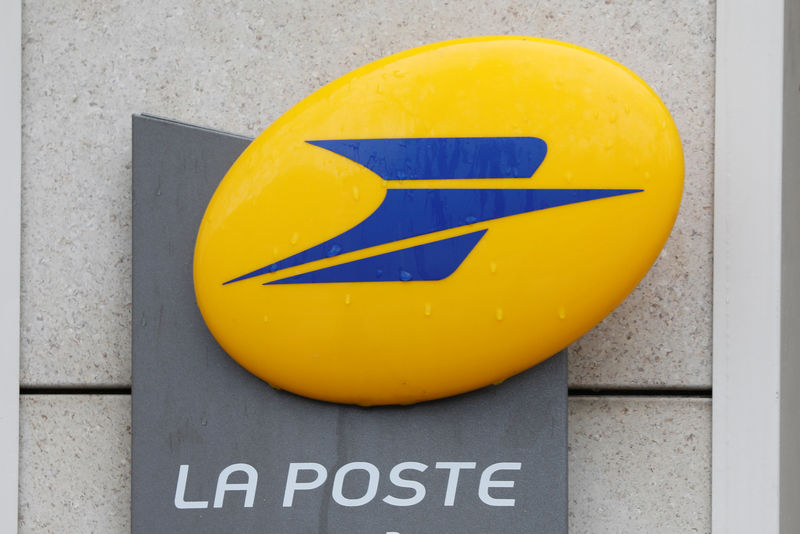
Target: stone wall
{"x":640,"y":413}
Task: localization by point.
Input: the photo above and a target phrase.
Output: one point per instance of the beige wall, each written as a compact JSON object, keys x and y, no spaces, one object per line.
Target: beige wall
{"x":637,"y":463}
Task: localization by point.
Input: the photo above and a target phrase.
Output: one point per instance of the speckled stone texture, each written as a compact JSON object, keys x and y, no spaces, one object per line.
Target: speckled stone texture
{"x":636,"y":465}
{"x":639,"y":465}
{"x":75,"y":458}
{"x":87,"y":66}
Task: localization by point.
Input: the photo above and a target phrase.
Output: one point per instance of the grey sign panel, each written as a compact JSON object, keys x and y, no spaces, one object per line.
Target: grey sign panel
{"x":215,"y":449}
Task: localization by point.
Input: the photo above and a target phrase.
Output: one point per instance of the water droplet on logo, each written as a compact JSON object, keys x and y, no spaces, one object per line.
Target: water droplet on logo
{"x":405,"y":276}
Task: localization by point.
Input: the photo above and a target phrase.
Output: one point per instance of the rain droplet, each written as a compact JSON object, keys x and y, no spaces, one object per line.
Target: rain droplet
{"x":562,"y":312}
{"x":471,"y":220}
{"x":609,"y":144}
{"x":627,"y":108}
{"x":294,"y":238}
{"x":613,"y":117}
{"x":493,"y":267}
{"x":274,"y":251}
{"x":499,"y":314}
{"x":569,"y":176}
{"x":428,"y":309}
{"x":378,"y":273}
{"x":498,"y":382}
{"x":646,"y":175}
{"x":405,"y":276}
{"x":355,"y":192}
{"x":334,"y":250}
{"x":347,"y":298}
{"x":266,"y":318}
{"x":203,"y":422}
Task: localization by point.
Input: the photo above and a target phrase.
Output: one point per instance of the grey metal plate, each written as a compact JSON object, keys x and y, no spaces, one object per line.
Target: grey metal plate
{"x":194,"y":406}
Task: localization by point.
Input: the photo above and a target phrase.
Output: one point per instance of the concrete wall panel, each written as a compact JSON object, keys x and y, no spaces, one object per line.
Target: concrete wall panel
{"x":636,"y":465}
{"x":639,"y":465}
{"x":74,"y":464}
{"x":87,"y":66}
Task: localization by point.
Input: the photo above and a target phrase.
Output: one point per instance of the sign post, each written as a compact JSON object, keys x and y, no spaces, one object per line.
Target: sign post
{"x":215,"y":449}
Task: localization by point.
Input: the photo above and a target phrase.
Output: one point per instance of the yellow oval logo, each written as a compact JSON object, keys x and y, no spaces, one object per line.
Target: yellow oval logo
{"x":438,"y":220}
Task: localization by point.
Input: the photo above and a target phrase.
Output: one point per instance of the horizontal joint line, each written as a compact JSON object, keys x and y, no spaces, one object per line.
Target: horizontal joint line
{"x":75,"y":390}
{"x":701,"y":393}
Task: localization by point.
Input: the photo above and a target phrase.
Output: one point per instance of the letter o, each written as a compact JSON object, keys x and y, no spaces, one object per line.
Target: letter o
{"x":372,"y":486}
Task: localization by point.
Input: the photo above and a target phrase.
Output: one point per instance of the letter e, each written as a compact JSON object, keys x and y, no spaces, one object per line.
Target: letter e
{"x":487,"y":482}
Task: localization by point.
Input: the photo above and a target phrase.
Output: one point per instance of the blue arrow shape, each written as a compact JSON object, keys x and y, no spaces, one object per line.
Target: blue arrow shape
{"x":407,"y":213}
{"x":431,"y":261}
{"x":443,"y":158}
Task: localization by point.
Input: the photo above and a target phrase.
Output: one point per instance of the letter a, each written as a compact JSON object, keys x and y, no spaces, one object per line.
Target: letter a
{"x":249,"y":487}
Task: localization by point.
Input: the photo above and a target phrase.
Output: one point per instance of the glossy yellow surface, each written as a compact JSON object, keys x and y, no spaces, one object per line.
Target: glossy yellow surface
{"x":531,"y":286}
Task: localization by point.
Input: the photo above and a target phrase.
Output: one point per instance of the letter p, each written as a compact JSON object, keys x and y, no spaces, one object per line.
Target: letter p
{"x":293,"y":485}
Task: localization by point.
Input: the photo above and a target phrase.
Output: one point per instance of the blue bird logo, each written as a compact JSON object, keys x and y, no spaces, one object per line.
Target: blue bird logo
{"x":406,"y":213}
